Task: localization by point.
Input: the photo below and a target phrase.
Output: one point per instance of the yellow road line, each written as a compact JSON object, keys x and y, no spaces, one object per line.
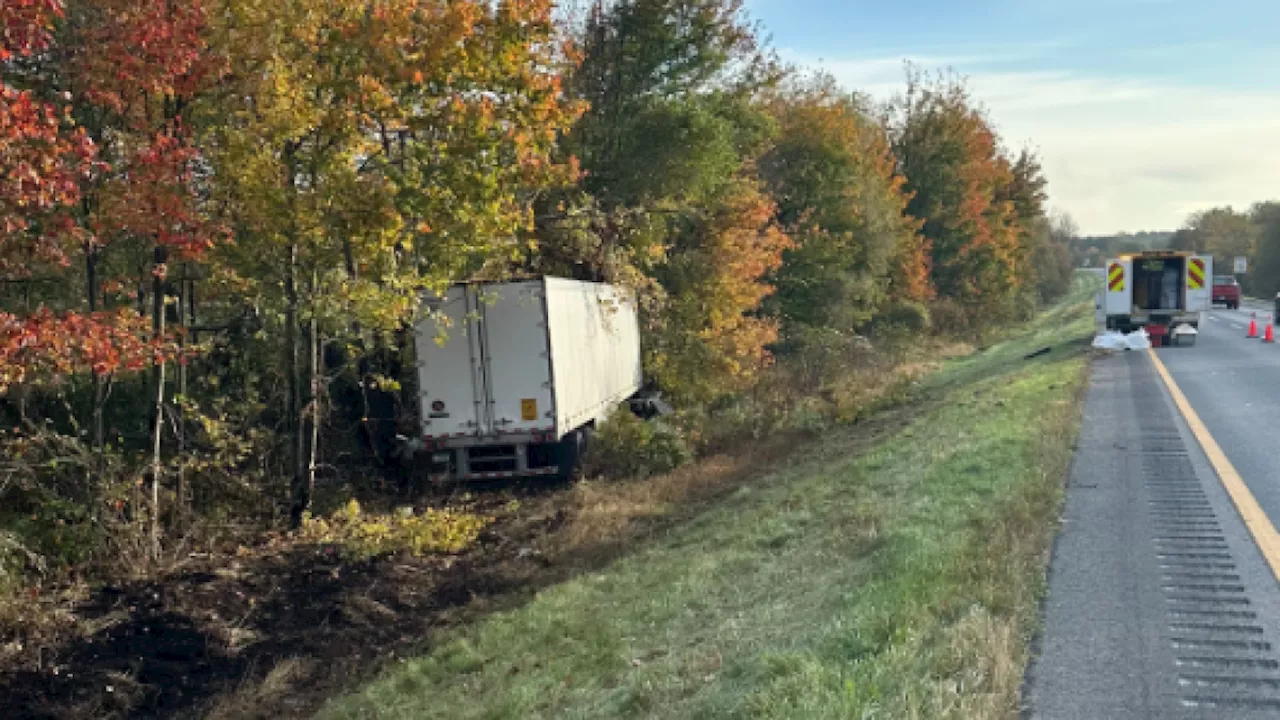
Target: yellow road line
{"x":1264,"y":533}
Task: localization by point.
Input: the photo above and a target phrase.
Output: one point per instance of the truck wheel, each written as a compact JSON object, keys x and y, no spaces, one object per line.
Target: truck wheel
{"x":569,"y":453}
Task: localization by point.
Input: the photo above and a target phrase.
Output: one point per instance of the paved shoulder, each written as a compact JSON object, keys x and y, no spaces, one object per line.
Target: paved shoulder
{"x":1159,"y":603}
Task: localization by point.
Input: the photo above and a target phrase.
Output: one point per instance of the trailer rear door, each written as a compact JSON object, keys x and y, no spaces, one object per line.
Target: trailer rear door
{"x":1119,"y":287}
{"x":450,"y":375}
{"x":517,"y":358}
{"x":1199,"y":283}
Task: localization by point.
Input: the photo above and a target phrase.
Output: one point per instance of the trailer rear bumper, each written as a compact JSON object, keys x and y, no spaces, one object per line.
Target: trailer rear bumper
{"x":487,"y":459}
{"x":444,"y":475}
{"x":1131,"y":322}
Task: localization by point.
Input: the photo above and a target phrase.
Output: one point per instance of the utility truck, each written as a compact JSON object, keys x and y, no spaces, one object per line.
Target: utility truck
{"x":1165,"y":292}
{"x":512,"y":375}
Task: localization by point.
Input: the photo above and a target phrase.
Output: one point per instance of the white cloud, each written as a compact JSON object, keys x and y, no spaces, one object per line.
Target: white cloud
{"x":1121,"y":152}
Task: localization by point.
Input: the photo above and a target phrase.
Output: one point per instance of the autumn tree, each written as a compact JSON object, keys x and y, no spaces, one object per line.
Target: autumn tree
{"x":42,"y":155}
{"x":710,"y":343}
{"x":50,"y":166}
{"x":366,"y":153}
{"x":835,"y":180}
{"x":106,"y":82}
{"x":959,"y":181}
{"x":668,"y":148}
{"x":1044,"y":256}
{"x":666,"y":81}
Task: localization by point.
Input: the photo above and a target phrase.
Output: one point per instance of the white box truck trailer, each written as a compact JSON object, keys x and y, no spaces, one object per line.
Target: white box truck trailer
{"x":510,"y":374}
{"x":1164,"y":292}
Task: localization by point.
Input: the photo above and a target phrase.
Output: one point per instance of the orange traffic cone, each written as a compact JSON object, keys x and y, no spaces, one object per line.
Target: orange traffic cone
{"x":1253,"y":326}
{"x":1269,"y":336}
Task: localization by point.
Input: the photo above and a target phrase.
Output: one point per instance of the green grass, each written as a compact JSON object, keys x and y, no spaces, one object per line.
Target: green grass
{"x":1065,"y":328}
{"x":898,"y":582}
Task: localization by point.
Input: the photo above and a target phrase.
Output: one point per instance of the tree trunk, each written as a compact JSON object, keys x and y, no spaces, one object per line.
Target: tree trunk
{"x":307,"y":419}
{"x":180,"y":483}
{"x":296,"y":409}
{"x":157,"y":417}
{"x":313,"y":408}
{"x":98,"y":422}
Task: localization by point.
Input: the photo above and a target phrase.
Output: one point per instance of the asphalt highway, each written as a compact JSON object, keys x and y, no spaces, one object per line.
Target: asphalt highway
{"x":1162,"y":600}
{"x":1234,"y":385}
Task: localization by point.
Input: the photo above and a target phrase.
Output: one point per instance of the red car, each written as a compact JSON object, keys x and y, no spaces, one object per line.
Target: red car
{"x":1226,"y":290}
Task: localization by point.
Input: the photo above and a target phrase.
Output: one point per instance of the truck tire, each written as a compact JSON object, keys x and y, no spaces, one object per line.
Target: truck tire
{"x":569,"y":453}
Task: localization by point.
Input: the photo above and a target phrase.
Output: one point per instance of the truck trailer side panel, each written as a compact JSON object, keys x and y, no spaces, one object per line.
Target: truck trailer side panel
{"x":595,"y":350}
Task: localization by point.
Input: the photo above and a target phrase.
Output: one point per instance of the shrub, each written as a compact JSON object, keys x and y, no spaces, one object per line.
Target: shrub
{"x":18,"y":563}
{"x":901,"y":317}
{"x":626,"y":446}
{"x":362,"y":535}
{"x":811,"y":415}
{"x":817,"y":356}
{"x":949,"y":317}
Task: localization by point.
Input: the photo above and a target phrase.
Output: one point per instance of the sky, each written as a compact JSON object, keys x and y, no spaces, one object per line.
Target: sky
{"x":1142,"y":111}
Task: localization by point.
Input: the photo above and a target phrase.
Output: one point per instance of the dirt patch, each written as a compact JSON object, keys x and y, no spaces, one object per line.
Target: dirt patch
{"x":273,"y":630}
{"x":263,"y":622}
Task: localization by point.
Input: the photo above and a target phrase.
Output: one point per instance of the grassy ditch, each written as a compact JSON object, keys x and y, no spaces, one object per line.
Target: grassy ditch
{"x":897,"y":580}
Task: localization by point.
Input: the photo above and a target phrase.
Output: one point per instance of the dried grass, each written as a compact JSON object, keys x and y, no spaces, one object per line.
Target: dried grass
{"x":259,"y":699}
{"x":603,"y":512}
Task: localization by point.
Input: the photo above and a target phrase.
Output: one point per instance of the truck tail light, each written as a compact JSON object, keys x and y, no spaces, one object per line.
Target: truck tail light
{"x":437,"y":406}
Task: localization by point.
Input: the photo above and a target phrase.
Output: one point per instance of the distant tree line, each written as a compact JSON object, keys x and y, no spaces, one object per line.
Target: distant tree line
{"x":1223,"y":232}
{"x":1227,"y":233}
{"x":1093,"y":250}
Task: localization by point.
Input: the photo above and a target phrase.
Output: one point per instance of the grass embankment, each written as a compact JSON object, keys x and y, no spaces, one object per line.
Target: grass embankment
{"x":897,"y":580}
